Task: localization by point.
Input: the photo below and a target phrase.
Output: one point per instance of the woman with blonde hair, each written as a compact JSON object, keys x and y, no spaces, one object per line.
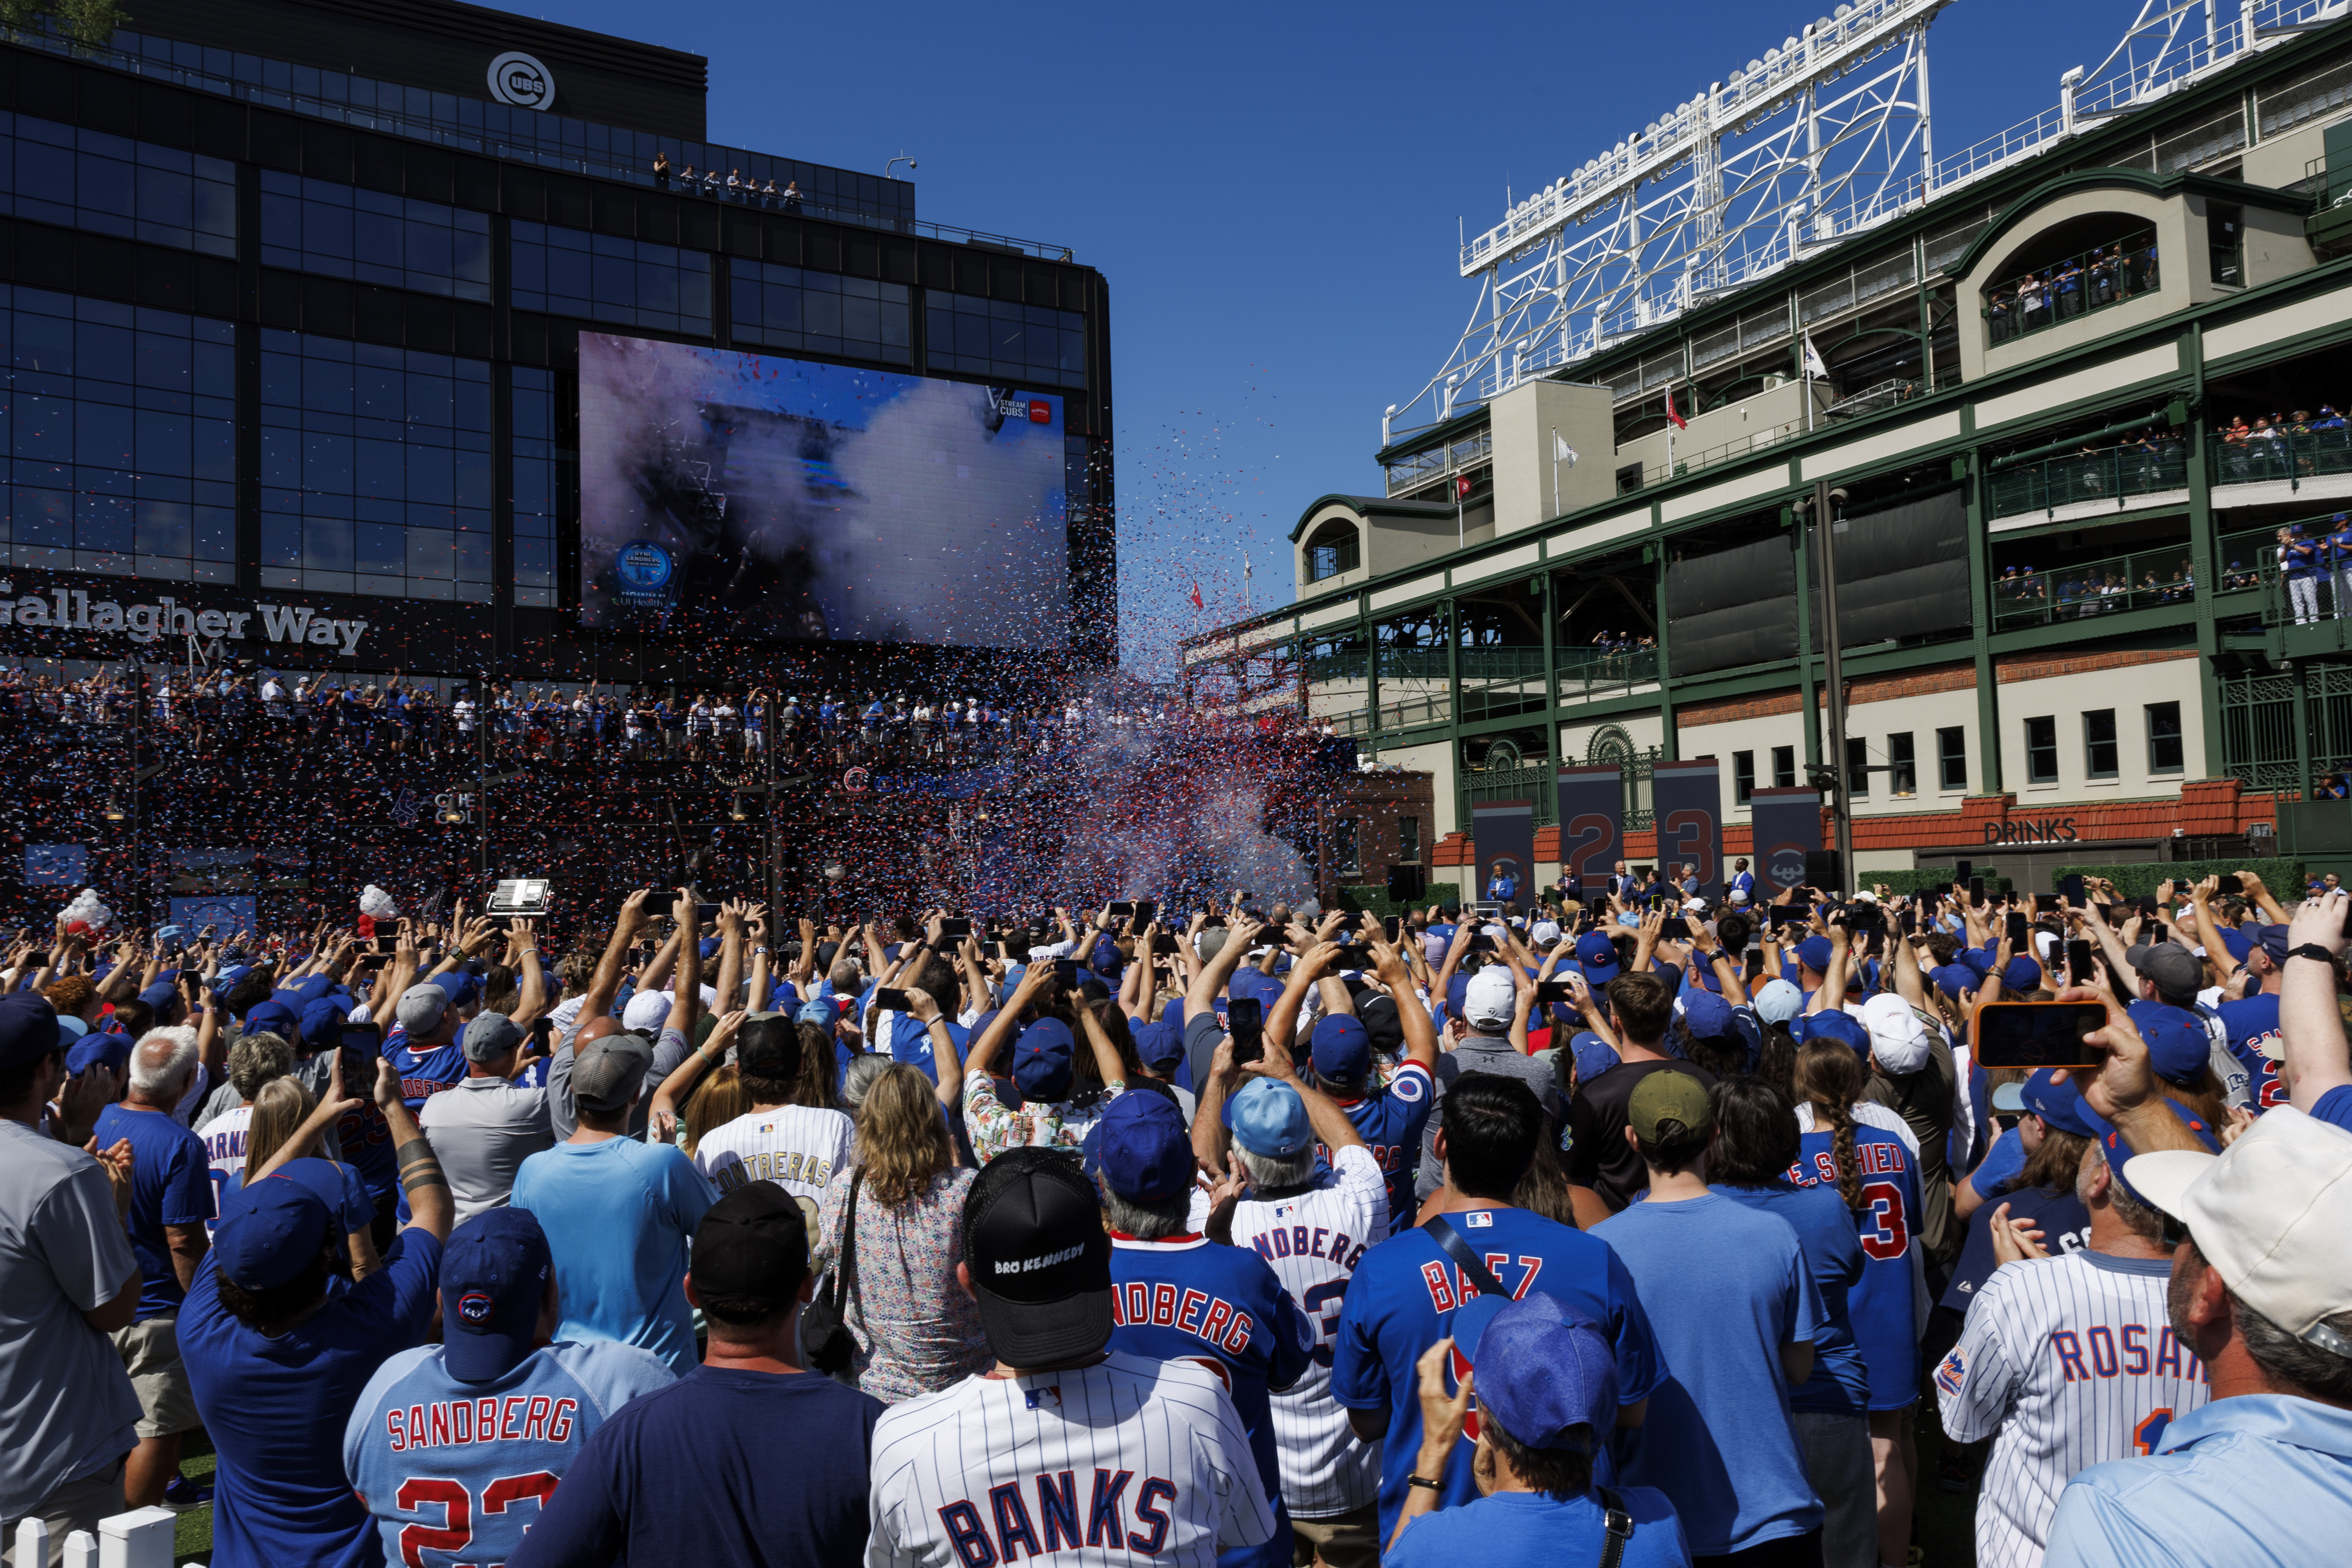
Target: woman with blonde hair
{"x":714,"y":1103}
{"x":917,"y":1329}
{"x":283,"y":1114}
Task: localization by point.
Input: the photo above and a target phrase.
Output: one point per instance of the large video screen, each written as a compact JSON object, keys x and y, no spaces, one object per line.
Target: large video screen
{"x":754,"y":495}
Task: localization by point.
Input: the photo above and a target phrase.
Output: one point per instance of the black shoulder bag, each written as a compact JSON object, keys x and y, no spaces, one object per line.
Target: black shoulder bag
{"x":826,"y":1339}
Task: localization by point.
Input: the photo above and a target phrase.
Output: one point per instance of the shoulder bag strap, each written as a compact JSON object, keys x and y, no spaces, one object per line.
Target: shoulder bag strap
{"x":1617,"y":1526}
{"x":1473,"y":1268}
{"x":845,"y":1278}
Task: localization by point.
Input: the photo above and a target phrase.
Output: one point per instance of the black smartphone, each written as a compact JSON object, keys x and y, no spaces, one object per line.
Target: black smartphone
{"x":2071,"y":889}
{"x":955,"y":928}
{"x":1389,"y":925}
{"x":1866,"y":918}
{"x":2232,"y":885}
{"x":1124,"y":909}
{"x":1548,"y":992}
{"x":1976,"y":890}
{"x":1786,"y":915}
{"x":364,"y":1040}
{"x":1164,"y":942}
{"x":2036,"y":1034}
{"x":890,"y":998}
{"x":1245,"y":1021}
{"x":1481,"y":943}
{"x":2016,"y":927}
{"x":1352,"y":956}
{"x":541,"y":1041}
{"x":705,"y":913}
{"x":2045,"y":903}
{"x":1910,"y":923}
{"x":2078,"y":963}
{"x":1963,"y":870}
{"x":1065,"y":974}
{"x":1144,"y":909}
{"x":2162,"y":933}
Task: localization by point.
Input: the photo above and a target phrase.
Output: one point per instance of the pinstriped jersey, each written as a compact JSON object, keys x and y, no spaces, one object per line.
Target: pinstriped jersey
{"x":1128,"y":1460}
{"x":798,"y":1147}
{"x":1313,"y":1241}
{"x":2072,"y":1362}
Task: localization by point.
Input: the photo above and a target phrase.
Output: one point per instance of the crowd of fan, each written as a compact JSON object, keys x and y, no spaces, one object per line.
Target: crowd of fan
{"x":1629,"y":1229}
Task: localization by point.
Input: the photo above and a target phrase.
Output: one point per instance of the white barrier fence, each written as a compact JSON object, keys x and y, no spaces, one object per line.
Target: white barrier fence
{"x":140,"y":1539}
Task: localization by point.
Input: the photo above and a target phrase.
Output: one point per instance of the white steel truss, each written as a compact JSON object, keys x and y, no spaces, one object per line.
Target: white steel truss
{"x":1825,"y":136}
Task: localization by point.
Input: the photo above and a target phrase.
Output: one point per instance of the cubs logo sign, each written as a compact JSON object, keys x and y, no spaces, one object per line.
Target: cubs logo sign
{"x":475,"y":1307}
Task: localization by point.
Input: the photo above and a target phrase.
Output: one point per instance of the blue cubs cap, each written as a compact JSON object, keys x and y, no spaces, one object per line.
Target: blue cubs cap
{"x":273,"y":1017}
{"x":1832,"y":1024}
{"x":2118,"y":1153}
{"x":710,"y":946}
{"x":1540,"y":1368}
{"x":322,"y":1023}
{"x":310,"y":990}
{"x":160,"y":996}
{"x":1157,"y":1045}
{"x":1268,"y":1119}
{"x":1144,"y":1151}
{"x":1777,"y":1001}
{"x":2178,"y":1049}
{"x":28,"y":1029}
{"x":1041,"y":1061}
{"x":464,"y":988}
{"x":2055,"y":1099}
{"x":2275,"y":943}
{"x":275,"y":1227}
{"x":97,"y":1048}
{"x":1594,"y":1055}
{"x":1597,"y":956}
{"x":821,"y":1013}
{"x":1814,"y":952}
{"x":494,"y":1273}
{"x":1706,"y":1016}
{"x":1951,"y":979}
{"x":1342,"y":1049}
{"x":2022,"y":973}
{"x":2237,"y":941}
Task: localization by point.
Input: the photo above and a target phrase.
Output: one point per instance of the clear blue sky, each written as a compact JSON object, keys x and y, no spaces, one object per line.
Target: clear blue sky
{"x":1271,"y":190}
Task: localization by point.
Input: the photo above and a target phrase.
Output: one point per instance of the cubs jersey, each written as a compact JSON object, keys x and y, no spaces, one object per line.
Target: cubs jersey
{"x":424,"y":1073}
{"x":455,"y":1472}
{"x":1221,"y":1306}
{"x":1886,"y":1306}
{"x":2258,"y":1047}
{"x":2072,"y":1362}
{"x":1402,"y":1300}
{"x":1391,"y":1121}
{"x":798,"y":1147}
{"x":1313,"y":1241}
{"x":1129,"y":1458}
{"x":223,"y":1138}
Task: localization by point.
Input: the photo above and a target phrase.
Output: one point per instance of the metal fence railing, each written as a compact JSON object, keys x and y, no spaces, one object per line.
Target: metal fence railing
{"x":2245,"y":456}
{"x":2054,"y":295}
{"x":2092,"y":588}
{"x":1588,"y":673}
{"x":2113,"y":473}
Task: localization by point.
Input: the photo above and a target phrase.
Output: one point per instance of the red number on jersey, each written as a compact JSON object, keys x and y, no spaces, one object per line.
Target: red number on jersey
{"x":2150,"y":1430}
{"x":1890,"y":1234}
{"x":456,"y":1531}
{"x":1224,"y":1374}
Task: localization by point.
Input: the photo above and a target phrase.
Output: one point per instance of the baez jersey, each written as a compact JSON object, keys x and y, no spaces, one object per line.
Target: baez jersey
{"x":1128,"y":1459}
{"x":1184,"y":1297}
{"x":2072,"y":1362}
{"x":1885,"y":1305}
{"x":1390,"y":1120}
{"x":798,"y":1147}
{"x":455,"y":1472}
{"x":1313,"y":1241}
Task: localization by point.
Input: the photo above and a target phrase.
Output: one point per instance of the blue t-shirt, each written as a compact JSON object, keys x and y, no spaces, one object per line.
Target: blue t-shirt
{"x":1882,"y":1306}
{"x":2335,"y":1107}
{"x":1536,"y":1530}
{"x":171,"y":1184}
{"x":1728,"y":1288}
{"x":2254,"y":1023}
{"x":718,"y":1469}
{"x":1401,"y":1300}
{"x":366,"y":1138}
{"x":1391,"y":1121}
{"x":1186,"y":1298}
{"x":455,"y":1472}
{"x":275,"y":1409}
{"x":2065,"y":1226}
{"x":1840,"y":1385}
{"x":359,"y":1209}
{"x":618,"y":1215}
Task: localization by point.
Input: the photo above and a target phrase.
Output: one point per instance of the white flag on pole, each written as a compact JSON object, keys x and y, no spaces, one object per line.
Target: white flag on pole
{"x":1561,"y":452}
{"x":1814,"y":369}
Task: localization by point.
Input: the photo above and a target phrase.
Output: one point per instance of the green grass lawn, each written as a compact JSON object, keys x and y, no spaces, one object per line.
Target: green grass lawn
{"x":192,"y":1539}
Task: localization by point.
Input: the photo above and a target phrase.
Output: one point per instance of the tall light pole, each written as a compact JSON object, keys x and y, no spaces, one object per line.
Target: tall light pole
{"x":1819,"y":505}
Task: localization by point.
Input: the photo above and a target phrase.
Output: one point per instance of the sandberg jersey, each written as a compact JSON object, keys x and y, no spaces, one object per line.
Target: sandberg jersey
{"x":1313,"y":1241}
{"x":455,"y":1472}
{"x":1096,"y":1467}
{"x":1392,"y":1121}
{"x":798,"y":1147}
{"x":1885,"y":1305}
{"x":426,"y":1073}
{"x":1185,"y":1297}
{"x":2257,"y":1043}
{"x":2072,"y":1362}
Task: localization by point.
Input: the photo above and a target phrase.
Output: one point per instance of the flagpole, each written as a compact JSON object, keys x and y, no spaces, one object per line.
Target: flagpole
{"x":1555,"y":470}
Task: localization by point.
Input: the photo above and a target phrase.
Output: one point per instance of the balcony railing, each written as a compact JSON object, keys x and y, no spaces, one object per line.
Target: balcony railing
{"x":2113,"y":474}
{"x":2079,"y":285}
{"x":1422,"y":468}
{"x":2093,"y":588}
{"x":2293,"y":455}
{"x":1589,"y":674}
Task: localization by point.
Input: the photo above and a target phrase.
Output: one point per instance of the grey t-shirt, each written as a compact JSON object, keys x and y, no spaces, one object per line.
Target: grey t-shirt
{"x":66,"y":1405}
{"x":563,"y":1117}
{"x":1480,"y":1053}
{"x":482,"y":1130}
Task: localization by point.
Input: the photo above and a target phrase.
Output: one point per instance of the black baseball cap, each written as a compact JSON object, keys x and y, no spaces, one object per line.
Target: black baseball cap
{"x":752,"y":1245}
{"x":1040,"y":1260}
{"x":768,"y":1045}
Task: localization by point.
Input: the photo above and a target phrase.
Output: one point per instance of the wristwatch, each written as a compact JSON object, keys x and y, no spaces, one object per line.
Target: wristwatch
{"x":2313,"y":950}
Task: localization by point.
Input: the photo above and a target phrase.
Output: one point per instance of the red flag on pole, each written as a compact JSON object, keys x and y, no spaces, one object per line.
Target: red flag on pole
{"x":1461,"y":485}
{"x":1196,"y":595}
{"x":1678,"y":422}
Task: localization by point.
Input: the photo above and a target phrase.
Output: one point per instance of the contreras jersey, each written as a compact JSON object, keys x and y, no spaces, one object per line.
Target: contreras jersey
{"x":455,"y":1472}
{"x":1313,"y":1240}
{"x":1125,"y":1461}
{"x":798,"y":1147}
{"x":2072,"y":1362}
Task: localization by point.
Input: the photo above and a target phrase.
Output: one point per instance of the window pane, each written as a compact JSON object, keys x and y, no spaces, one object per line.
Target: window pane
{"x":2041,"y":750}
{"x":1905,"y":774}
{"x":1952,"y":757}
{"x":2164,"y":747}
{"x":1743,"y":776}
{"x":2099,"y":743}
{"x":1784,"y":767}
{"x":1857,"y":760}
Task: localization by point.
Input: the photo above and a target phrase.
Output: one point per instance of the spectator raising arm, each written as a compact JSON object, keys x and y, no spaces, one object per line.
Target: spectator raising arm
{"x":2317,"y":1061}
{"x":606,"y":984}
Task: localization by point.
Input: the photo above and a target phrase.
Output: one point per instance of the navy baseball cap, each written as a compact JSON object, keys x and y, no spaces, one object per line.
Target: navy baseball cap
{"x":322,"y":1024}
{"x":1814,"y":952}
{"x":275,"y":1227}
{"x":1143,"y":1150}
{"x":28,"y":1029}
{"x":274,"y":1018}
{"x":464,"y":988}
{"x":1042,"y":1061}
{"x":1832,"y":1024}
{"x":160,"y":995}
{"x":494,"y":1274}
{"x":1597,"y":956}
{"x":2021,"y":975}
{"x":1706,"y":1016}
{"x":1268,"y":1119}
{"x":2055,"y":1099}
{"x":1157,"y":1045}
{"x":1342,"y":1049}
{"x":2178,"y":1049}
{"x":2275,"y":943}
{"x":100,"y":1045}
{"x":1594,"y":1055}
{"x":1541,"y":1370}
{"x":1038,"y":1257}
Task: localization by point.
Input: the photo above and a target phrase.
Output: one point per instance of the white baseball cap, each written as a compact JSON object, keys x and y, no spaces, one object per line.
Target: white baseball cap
{"x":1737,"y":895}
{"x":1898,"y":1040}
{"x":1490,"y":997}
{"x":1547,"y":931}
{"x":2270,"y":1212}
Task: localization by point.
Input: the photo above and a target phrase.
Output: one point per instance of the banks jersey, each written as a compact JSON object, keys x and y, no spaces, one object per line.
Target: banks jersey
{"x":223,"y":1138}
{"x":798,"y":1147}
{"x":1390,"y":1120}
{"x":1184,"y":1295}
{"x":455,"y":1472}
{"x":2258,"y":1045}
{"x":1885,"y":1306}
{"x":1313,"y":1241}
{"x":1092,"y":1468}
{"x":2072,"y":1362}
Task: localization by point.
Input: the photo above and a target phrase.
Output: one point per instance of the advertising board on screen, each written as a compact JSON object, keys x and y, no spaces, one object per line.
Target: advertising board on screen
{"x":758,"y":496}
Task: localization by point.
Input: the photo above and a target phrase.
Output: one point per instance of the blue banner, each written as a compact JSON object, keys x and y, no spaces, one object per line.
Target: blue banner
{"x":1688,"y":802}
{"x":1591,"y":825}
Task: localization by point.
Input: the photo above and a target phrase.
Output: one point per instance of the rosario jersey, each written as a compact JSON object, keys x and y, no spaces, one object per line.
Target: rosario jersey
{"x":1390,"y":1120}
{"x":2072,"y":1362}
{"x":1885,"y":1306}
{"x":1313,"y":1241}
{"x":1223,"y":1307}
{"x":1401,"y":1301}
{"x":1127,"y":1460}
{"x":455,"y":1472}
{"x":223,"y":1138}
{"x":798,"y":1147}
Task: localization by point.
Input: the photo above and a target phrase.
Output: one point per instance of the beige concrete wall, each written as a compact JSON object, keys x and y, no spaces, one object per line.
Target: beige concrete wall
{"x":1436,"y":760}
{"x":1530,"y":487}
{"x":2279,"y":160}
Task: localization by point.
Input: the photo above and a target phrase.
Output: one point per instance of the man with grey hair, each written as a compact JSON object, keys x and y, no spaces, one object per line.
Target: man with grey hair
{"x":171,"y":1202}
{"x":484,"y":1128}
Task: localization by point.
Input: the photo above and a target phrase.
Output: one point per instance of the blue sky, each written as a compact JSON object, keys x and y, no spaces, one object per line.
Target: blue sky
{"x":1271,"y":191}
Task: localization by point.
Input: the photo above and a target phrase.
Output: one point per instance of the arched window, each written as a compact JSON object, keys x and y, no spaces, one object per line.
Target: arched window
{"x":1334,"y":548}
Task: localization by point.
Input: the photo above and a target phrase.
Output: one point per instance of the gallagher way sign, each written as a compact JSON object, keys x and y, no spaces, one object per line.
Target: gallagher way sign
{"x":72,"y":609}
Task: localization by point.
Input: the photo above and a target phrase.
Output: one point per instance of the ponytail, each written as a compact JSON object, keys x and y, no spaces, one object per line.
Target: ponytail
{"x":1829,"y":1078}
